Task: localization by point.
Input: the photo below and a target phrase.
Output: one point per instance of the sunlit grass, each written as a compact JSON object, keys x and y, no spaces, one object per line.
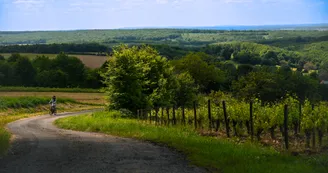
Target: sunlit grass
{"x":210,"y":152}
{"x":45,"y":89}
{"x":93,"y":98}
{"x":15,"y":108}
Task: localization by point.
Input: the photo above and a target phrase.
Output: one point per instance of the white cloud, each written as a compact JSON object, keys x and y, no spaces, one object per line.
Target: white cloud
{"x":29,"y":6}
{"x":88,"y":3}
{"x":162,"y":1}
{"x":237,"y":1}
{"x":25,"y":2}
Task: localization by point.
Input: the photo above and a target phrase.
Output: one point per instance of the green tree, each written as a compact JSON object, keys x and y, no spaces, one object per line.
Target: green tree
{"x":243,"y":57}
{"x":42,"y":63}
{"x":73,"y":67}
{"x":138,"y":77}
{"x":261,"y":85}
{"x":231,"y":74}
{"x":14,"y":57}
{"x":244,"y":69}
{"x":93,"y":78}
{"x":52,"y":78}
{"x":226,"y":53}
{"x":304,"y":87}
{"x":186,"y":91}
{"x":206,"y":76}
{"x":2,"y":58}
{"x":323,"y":71}
{"x":8,"y":74}
{"x":25,"y":71}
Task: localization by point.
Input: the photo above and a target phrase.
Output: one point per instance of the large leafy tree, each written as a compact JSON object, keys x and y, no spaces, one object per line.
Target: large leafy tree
{"x":6,"y":73}
{"x":14,"y":57}
{"x":206,"y":76}
{"x":138,"y":77}
{"x":25,"y":71}
{"x":186,"y":91}
{"x":271,"y":86}
{"x":42,"y":63}
{"x":260,"y":85}
{"x":72,"y":66}
{"x":52,"y":78}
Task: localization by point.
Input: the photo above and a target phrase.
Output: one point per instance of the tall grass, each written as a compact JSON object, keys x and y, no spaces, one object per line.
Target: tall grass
{"x":215,"y":154}
{"x":42,"y":89}
{"x":28,"y":102}
{"x":4,"y":135}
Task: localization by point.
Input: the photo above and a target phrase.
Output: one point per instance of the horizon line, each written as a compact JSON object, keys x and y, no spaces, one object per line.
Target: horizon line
{"x":175,"y":27}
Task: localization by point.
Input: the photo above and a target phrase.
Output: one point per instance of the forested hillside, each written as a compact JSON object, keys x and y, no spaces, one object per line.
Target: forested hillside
{"x":304,"y":51}
{"x":191,"y":37}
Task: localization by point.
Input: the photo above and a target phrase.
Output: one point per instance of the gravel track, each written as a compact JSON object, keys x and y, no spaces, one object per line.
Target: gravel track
{"x":38,"y":146}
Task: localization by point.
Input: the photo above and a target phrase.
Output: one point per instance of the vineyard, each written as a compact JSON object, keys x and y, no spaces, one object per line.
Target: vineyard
{"x":288,"y":125}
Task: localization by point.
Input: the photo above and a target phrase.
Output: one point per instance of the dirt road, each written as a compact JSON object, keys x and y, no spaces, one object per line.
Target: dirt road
{"x":39,"y":146}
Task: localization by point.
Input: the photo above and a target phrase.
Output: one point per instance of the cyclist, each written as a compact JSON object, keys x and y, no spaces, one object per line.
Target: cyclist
{"x":53,"y":105}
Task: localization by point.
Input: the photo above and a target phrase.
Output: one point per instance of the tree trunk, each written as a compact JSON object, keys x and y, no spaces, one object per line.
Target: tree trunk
{"x":258,"y":134}
{"x":234,"y":124}
{"x":156,"y":115}
{"x":320,"y":135}
{"x":295,"y":128}
{"x":217,"y":125}
{"x":272,"y":132}
{"x":281,"y":128}
{"x":307,"y":138}
{"x":248,"y":127}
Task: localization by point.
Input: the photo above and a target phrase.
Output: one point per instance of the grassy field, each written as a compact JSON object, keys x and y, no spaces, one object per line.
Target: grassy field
{"x":15,"y":108}
{"x":28,"y":102}
{"x":91,"y":61}
{"x":217,"y":155}
{"x":91,"y":98}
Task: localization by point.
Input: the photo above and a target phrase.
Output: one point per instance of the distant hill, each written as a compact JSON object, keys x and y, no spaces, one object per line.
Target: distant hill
{"x":323,"y":26}
{"x":175,"y":37}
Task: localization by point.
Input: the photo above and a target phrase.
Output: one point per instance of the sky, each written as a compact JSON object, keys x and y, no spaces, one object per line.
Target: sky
{"x":23,"y":15}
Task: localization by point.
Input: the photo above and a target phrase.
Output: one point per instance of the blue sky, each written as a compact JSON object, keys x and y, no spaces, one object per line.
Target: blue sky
{"x":108,"y":14}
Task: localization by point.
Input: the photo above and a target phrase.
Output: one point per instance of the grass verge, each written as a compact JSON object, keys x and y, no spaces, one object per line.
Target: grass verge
{"x":12,"y":109}
{"x":209,"y":152}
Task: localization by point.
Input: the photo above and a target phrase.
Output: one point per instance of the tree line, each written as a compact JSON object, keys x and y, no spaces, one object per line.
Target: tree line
{"x":239,"y":52}
{"x":63,"y":71}
{"x":139,"y":77}
{"x":185,"y":36}
{"x":86,"y":48}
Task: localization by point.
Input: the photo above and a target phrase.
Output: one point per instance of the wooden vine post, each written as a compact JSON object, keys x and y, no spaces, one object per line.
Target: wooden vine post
{"x":174,"y":118}
{"x":286,"y":126}
{"x":313,"y":130}
{"x":226,"y":118}
{"x":251,"y":119}
{"x":195,"y":115}
{"x":209,"y":115}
